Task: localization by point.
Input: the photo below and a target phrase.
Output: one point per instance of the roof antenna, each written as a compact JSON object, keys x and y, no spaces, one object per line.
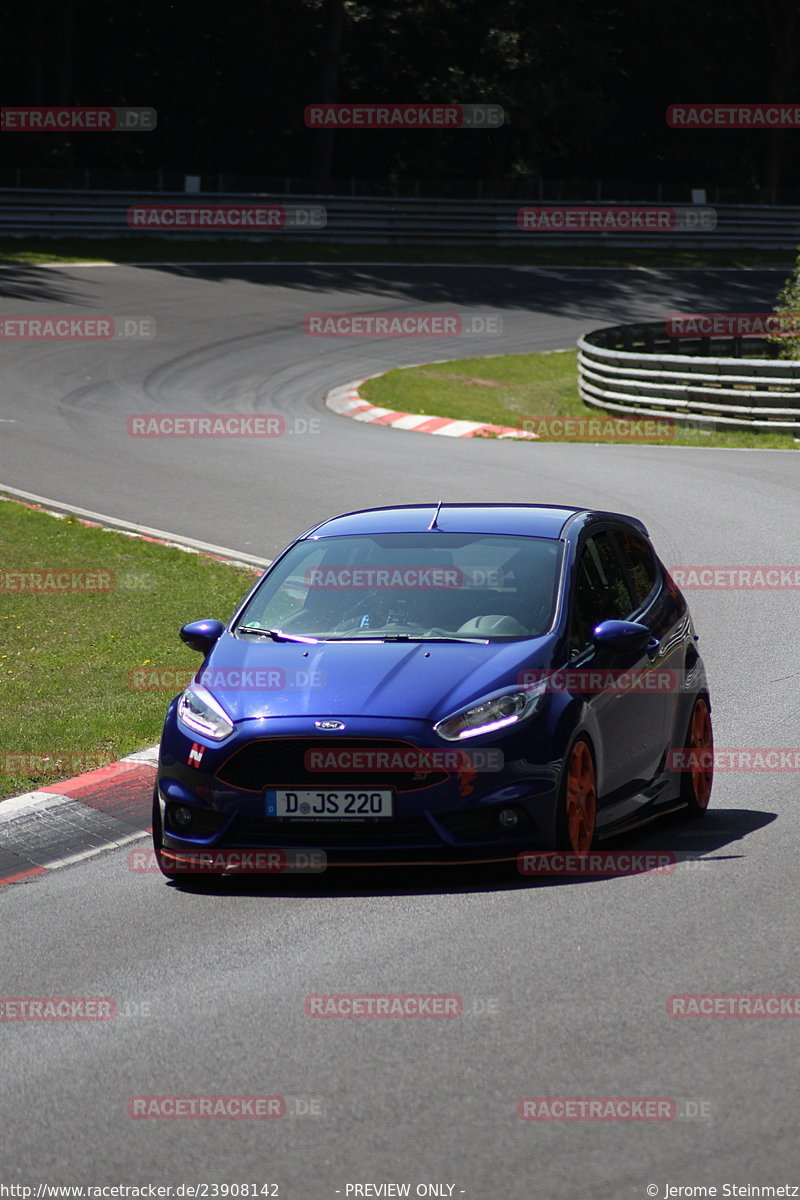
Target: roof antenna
{"x":433,"y":524}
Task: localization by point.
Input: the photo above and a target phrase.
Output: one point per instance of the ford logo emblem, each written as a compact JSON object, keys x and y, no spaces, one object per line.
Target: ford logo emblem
{"x":329,"y":724}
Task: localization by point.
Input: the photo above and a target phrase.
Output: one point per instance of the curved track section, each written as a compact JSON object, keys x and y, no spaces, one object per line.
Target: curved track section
{"x":564,"y":985}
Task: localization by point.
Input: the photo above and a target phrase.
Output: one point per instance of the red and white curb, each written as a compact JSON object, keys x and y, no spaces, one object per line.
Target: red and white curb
{"x":348,"y":402}
{"x":77,"y":818}
{"x":111,"y":806}
{"x":100,"y":810}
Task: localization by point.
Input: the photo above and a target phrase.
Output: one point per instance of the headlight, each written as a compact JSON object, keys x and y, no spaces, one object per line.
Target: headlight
{"x":200,"y":712}
{"x":493,"y":712}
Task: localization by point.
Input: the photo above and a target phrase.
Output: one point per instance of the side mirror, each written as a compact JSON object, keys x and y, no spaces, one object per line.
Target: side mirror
{"x":621,"y":637}
{"x":201,"y":635}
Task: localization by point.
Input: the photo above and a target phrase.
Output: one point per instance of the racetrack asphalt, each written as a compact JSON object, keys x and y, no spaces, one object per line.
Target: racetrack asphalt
{"x":564,"y":983}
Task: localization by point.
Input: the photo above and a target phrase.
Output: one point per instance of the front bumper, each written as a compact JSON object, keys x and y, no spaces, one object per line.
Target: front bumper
{"x":439,"y":815}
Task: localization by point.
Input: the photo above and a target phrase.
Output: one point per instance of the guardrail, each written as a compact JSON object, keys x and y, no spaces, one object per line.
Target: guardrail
{"x":383,"y":220}
{"x":640,"y":371}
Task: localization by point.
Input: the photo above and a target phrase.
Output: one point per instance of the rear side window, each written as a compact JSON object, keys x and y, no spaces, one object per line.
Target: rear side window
{"x":640,"y":562}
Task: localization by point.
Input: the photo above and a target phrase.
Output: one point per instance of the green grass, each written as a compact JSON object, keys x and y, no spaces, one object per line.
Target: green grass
{"x":36,"y":251}
{"x":66,"y":659}
{"x":513,"y":388}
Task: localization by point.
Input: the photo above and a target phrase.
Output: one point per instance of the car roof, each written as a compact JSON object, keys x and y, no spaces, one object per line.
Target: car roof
{"x":522,"y":520}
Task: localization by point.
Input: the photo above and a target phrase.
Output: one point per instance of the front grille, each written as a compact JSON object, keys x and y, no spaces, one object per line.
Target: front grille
{"x":256,"y":831}
{"x":280,"y":762}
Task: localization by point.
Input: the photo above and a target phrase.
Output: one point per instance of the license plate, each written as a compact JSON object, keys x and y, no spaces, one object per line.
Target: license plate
{"x":306,"y":804}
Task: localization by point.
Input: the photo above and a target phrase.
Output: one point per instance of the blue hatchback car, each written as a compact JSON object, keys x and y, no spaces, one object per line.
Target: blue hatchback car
{"x":437,"y":683}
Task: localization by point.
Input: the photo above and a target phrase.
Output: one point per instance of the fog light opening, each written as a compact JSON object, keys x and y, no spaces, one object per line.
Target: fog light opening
{"x":180,"y":816}
{"x":508,"y":818}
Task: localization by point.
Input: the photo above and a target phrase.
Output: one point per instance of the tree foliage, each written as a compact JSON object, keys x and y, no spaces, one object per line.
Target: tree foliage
{"x":585,"y":86}
{"x":787,"y":305}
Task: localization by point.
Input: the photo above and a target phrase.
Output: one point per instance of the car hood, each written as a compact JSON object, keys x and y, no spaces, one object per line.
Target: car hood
{"x":416,"y":680}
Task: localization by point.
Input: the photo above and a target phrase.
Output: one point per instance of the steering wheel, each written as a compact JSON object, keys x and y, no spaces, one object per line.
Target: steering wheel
{"x":541,"y":618}
{"x":404,"y":627}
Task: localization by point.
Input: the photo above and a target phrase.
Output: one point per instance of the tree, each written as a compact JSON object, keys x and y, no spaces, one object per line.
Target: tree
{"x":322,"y":152}
{"x":787,"y":305}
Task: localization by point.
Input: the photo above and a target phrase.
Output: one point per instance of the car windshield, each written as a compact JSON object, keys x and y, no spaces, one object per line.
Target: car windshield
{"x":410,"y":586}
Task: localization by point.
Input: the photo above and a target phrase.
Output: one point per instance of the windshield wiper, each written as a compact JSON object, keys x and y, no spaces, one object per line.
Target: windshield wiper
{"x":433,"y":637}
{"x":277,"y":635}
{"x":376,"y":636}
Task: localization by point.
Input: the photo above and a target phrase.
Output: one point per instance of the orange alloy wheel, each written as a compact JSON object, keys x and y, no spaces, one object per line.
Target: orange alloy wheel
{"x":581,"y":798}
{"x":700,"y":738}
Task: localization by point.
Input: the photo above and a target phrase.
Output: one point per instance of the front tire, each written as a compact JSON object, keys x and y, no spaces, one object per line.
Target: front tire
{"x":696,"y":782}
{"x":577,"y":805}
